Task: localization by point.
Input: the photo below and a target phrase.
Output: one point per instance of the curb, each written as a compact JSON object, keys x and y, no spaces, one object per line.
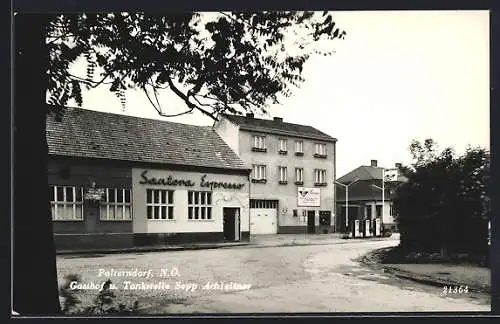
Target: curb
{"x":150,"y":249}
{"x":340,"y":241}
{"x":424,"y":279}
{"x":206,"y":247}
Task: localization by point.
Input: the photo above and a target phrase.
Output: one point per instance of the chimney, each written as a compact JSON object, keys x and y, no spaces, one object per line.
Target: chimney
{"x":278,"y":119}
{"x":398,"y":165}
{"x":250,"y":115}
{"x":373,"y":163}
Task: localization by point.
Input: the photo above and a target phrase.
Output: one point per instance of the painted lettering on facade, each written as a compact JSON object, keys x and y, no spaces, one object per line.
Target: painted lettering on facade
{"x":169,"y":181}
{"x":216,"y":184}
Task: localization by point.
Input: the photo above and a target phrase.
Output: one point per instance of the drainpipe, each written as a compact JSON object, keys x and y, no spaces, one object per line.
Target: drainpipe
{"x":249,"y":191}
{"x":334,"y":187}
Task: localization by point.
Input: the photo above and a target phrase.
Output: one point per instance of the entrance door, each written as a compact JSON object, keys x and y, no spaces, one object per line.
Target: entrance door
{"x":231,"y":224}
{"x":311,"y":226}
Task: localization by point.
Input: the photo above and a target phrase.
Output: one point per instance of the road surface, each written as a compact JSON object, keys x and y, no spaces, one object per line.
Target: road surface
{"x":313,"y":278}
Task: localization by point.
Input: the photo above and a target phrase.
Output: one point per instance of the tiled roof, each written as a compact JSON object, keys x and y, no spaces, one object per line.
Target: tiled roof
{"x":364,"y":190}
{"x":92,"y":134}
{"x":279,"y":127}
{"x":365,"y":173}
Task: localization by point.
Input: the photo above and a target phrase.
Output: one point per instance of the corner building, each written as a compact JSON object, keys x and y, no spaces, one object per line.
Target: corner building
{"x":293,"y":173}
{"x":118,"y":181}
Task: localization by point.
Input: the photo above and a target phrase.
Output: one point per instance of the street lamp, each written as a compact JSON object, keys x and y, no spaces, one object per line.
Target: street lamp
{"x":346,"y":199}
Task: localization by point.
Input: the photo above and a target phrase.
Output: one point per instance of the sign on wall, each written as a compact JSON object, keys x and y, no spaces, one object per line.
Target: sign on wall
{"x":308,"y":197}
{"x":170,"y":181}
{"x":94,"y":193}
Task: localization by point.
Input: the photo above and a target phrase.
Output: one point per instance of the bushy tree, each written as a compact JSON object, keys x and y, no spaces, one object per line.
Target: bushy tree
{"x":229,"y":62}
{"x":443,"y":207}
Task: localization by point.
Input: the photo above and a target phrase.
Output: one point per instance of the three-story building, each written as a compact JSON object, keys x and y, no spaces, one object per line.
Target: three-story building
{"x":293,"y":173}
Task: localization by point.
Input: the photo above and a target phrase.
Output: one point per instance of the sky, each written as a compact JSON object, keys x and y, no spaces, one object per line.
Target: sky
{"x":397,"y":76}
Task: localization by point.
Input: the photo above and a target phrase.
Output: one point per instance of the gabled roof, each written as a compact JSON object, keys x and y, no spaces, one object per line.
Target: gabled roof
{"x":278,"y":127}
{"x":365,"y":172}
{"x":93,"y":134}
{"x":364,"y":190}
{"x":367,"y":178}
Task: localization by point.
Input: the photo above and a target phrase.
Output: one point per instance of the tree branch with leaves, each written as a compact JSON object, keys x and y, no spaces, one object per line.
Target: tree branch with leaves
{"x":219,"y":62}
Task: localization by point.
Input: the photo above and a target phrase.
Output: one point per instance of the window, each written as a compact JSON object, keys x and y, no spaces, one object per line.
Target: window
{"x":283,"y":175}
{"x":283,"y":145}
{"x":299,"y":175}
{"x":320,"y":177}
{"x":378,"y":210}
{"x":267,"y":204}
{"x":259,"y":172}
{"x":299,"y":147}
{"x":66,"y":203}
{"x":259,"y":143}
{"x":160,"y":204}
{"x":199,"y":205}
{"x":116,"y":205}
{"x":304,"y":216}
{"x":319,"y":150}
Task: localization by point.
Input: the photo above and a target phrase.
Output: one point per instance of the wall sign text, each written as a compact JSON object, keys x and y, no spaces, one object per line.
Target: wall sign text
{"x":169,"y":181}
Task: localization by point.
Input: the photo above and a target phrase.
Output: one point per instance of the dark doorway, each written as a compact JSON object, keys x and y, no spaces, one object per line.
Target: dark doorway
{"x":311,"y":226}
{"x":348,"y":224}
{"x":231,"y":224}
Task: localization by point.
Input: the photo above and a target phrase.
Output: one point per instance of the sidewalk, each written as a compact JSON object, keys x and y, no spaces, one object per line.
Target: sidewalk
{"x":474,"y":277}
{"x":309,"y":239}
{"x":256,"y":241}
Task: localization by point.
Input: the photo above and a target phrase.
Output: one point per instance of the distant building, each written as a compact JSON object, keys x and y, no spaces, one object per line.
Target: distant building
{"x":365,"y":196}
{"x":293,"y":171}
{"x":118,"y":181}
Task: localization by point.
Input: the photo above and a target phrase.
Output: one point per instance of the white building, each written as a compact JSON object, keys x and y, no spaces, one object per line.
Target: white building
{"x":293,"y":171}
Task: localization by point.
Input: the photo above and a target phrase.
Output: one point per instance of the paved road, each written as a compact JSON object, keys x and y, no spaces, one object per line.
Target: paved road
{"x":314,"y":278}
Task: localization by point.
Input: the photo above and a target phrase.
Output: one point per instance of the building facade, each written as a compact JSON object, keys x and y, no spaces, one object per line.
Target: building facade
{"x":118,"y":181}
{"x":365,"y":198}
{"x":293,"y":171}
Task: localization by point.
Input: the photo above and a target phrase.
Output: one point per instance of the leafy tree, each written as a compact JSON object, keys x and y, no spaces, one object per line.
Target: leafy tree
{"x":444,"y":205}
{"x":228,"y":62}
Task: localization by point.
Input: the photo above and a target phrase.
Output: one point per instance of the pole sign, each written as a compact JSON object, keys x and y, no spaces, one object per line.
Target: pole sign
{"x":308,"y":197}
{"x":391,"y":175}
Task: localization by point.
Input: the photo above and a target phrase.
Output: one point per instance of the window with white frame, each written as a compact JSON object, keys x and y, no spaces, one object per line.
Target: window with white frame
{"x":320,"y":149}
{"x":66,"y":203}
{"x":299,"y":174}
{"x":259,"y":172}
{"x":259,"y":141}
{"x":304,"y":216}
{"x":283,"y":145}
{"x":116,"y":204}
{"x":319,"y":176}
{"x":199,"y":205}
{"x":160,"y":204}
{"x":283,"y":175}
{"x":299,"y":146}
